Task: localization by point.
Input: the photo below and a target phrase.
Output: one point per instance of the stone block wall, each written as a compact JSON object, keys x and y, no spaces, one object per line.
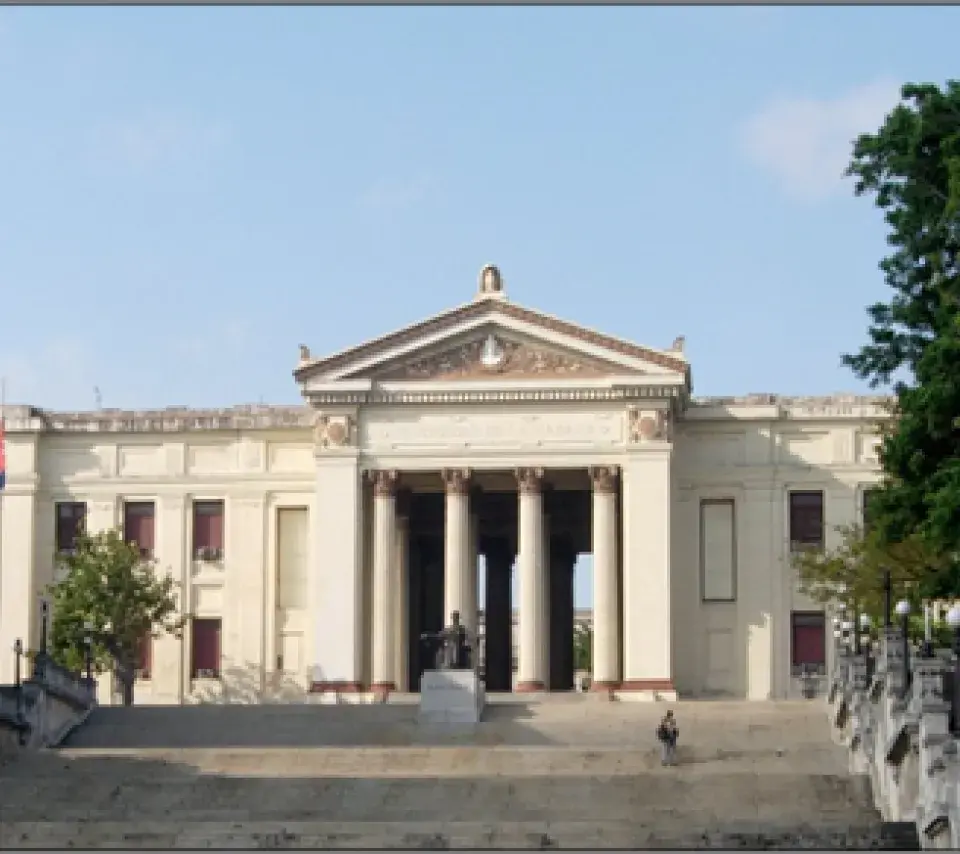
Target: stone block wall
{"x":897,"y":730}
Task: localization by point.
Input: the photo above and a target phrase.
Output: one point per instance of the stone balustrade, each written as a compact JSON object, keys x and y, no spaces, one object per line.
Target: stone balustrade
{"x":898,"y":733}
{"x":44,"y":709}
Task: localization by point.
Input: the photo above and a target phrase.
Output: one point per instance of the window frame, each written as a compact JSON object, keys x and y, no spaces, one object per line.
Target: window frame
{"x":137,"y":508}
{"x":797,"y":544}
{"x":807,"y":619}
{"x":80,"y":524}
{"x":208,"y":508}
{"x":734,"y":568}
{"x":215,"y":625}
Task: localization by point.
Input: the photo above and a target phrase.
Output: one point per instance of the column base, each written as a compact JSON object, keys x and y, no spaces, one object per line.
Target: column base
{"x":647,"y":690}
{"x":382,"y":690}
{"x":341,"y":687}
{"x":602,"y":685}
{"x":529,"y":687}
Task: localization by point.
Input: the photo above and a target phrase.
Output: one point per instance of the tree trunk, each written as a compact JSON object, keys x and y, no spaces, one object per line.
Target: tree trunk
{"x":126,"y":676}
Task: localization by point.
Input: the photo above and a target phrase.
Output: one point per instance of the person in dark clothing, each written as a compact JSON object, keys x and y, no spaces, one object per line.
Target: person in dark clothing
{"x":667,"y":734}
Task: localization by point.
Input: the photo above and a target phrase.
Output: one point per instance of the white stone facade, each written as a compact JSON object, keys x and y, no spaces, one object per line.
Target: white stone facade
{"x":490,"y":390}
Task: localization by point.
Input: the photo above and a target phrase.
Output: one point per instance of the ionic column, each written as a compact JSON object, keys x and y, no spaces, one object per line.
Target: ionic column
{"x":402,"y":614}
{"x":531,"y":676}
{"x":384,"y":555}
{"x":606,"y":622}
{"x":456,"y":547}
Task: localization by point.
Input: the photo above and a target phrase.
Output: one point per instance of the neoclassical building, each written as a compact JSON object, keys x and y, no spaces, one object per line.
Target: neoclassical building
{"x":314,"y":545}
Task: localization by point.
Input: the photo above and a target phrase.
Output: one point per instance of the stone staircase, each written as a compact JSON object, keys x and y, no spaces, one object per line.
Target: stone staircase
{"x":566,"y":772}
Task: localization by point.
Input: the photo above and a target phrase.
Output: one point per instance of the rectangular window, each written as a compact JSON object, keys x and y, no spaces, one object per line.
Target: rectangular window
{"x":145,"y":657}
{"x":205,"y":652}
{"x":808,"y":641}
{"x":869,"y":495}
{"x":138,"y":525}
{"x":207,"y":530}
{"x":806,"y":520}
{"x":718,"y":550}
{"x":71,"y":519}
{"x":292,"y":542}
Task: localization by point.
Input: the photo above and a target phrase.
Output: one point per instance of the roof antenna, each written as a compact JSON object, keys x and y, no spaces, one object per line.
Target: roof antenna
{"x":97,"y":397}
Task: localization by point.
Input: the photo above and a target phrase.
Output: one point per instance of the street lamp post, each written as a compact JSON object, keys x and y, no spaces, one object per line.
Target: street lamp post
{"x":903,"y":612}
{"x":17,"y":656}
{"x":887,"y":598}
{"x":88,"y":650}
{"x":863,"y":641}
{"x":953,"y":620}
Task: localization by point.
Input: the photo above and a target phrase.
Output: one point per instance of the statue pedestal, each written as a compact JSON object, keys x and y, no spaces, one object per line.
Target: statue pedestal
{"x":451,"y":697}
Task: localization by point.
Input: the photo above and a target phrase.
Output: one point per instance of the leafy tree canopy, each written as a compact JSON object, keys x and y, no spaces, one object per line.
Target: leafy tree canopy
{"x":912,"y":167}
{"x":111,"y":594}
{"x":855,"y":571}
{"x":582,"y":648}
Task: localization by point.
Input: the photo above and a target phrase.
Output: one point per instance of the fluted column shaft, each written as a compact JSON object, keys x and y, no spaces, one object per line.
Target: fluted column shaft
{"x":531,"y":677}
{"x":384,"y":560}
{"x":456,"y":558}
{"x":606,"y":616}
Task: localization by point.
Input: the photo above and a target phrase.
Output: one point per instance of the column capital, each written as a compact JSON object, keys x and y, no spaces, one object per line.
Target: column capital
{"x":384,"y":482}
{"x":530,"y":480}
{"x":456,"y":481}
{"x":604,"y":478}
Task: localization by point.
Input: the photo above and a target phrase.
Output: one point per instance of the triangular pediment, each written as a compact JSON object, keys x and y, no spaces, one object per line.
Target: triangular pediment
{"x":487,"y":339}
{"x":492,"y":352}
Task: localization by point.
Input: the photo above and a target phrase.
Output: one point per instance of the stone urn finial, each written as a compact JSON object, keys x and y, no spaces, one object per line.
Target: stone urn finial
{"x":491,"y":283}
{"x":304,"y":353}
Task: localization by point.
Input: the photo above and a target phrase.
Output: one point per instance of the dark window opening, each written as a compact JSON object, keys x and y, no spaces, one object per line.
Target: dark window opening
{"x":205,"y":652}
{"x":806,"y":520}
{"x":208,"y":530}
{"x":138,"y":525}
{"x":71,"y":520}
{"x":869,"y":507}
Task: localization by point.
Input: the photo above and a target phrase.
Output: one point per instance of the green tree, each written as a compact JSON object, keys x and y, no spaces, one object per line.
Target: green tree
{"x":855,"y":571}
{"x":582,"y":648}
{"x":912,"y":167}
{"x":111,"y":594}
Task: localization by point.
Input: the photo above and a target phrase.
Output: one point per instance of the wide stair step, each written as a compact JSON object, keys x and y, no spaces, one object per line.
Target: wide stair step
{"x":533,"y":776}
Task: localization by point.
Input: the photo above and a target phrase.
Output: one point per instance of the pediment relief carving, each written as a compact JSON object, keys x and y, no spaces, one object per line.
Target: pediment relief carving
{"x":492,"y":354}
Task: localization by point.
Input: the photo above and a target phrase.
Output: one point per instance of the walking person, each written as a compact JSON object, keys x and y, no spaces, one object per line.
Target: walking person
{"x":667,"y":734}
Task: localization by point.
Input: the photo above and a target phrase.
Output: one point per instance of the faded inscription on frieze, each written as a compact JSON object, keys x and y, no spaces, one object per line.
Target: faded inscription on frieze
{"x":492,"y":431}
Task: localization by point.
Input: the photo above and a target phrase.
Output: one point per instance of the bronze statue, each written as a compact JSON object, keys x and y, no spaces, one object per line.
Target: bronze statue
{"x":449,"y":649}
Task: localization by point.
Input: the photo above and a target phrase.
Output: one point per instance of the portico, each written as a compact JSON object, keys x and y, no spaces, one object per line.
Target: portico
{"x":498,"y":431}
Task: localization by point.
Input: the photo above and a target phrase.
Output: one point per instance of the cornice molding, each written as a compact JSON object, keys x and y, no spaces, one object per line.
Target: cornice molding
{"x":468,"y":396}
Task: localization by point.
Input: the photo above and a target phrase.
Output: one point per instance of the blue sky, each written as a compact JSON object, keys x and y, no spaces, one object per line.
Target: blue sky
{"x":186,"y":194}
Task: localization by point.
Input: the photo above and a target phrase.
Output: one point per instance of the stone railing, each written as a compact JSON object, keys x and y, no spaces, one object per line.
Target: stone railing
{"x":898,"y":731}
{"x":44,"y":709}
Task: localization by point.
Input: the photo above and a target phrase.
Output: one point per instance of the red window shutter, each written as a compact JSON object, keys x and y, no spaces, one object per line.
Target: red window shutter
{"x":809,"y":645}
{"x":146,"y":533}
{"x":201,"y":531}
{"x":145,"y":656}
{"x":215,"y":529}
{"x":206,"y":648}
